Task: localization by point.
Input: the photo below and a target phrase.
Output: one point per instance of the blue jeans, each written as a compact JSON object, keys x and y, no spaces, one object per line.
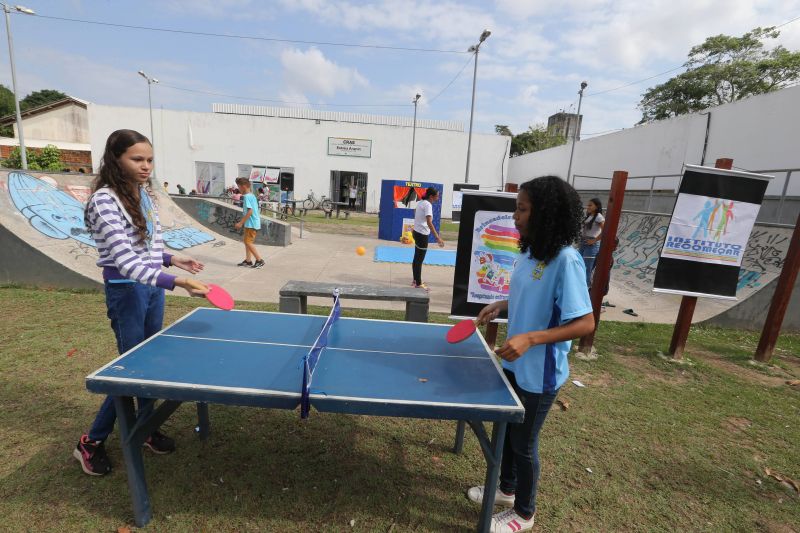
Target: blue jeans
{"x":519,"y":469}
{"x":136,"y":312}
{"x":589,"y":253}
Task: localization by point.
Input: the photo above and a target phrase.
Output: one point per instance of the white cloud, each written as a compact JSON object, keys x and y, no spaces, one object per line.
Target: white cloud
{"x":222,"y":9}
{"x":311,"y":72}
{"x":449,"y":23}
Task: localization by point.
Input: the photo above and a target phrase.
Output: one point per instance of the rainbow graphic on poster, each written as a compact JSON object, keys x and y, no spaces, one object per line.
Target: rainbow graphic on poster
{"x":501,"y":238}
{"x":494,"y":255}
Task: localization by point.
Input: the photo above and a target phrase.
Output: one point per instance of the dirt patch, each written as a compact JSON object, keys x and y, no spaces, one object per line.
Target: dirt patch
{"x":771,"y":526}
{"x":736,"y":424}
{"x":752,"y":375}
{"x":790,"y":361}
{"x":642,"y":366}
{"x":601,"y":379}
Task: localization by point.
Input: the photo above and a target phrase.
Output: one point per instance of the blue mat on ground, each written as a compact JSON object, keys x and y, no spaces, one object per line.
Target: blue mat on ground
{"x":405,"y":254}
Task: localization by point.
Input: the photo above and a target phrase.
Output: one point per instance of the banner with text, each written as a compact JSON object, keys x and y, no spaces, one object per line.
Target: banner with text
{"x":349,"y":147}
{"x":708,"y":233}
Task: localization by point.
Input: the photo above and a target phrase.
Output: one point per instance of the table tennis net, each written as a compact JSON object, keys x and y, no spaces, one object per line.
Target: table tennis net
{"x":311,"y":359}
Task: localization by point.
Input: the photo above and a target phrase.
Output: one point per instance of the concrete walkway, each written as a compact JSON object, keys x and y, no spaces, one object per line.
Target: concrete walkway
{"x":318,"y":256}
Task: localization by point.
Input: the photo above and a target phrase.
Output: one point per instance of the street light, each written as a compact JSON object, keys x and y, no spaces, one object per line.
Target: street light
{"x":413,"y":136}
{"x":474,"y":48}
{"x":20,"y":9}
{"x":150,"y":81}
{"x":575,"y":132}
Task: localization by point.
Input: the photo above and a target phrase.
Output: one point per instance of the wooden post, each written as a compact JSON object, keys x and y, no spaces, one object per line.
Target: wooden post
{"x":602,"y":272}
{"x":780,"y":300}
{"x":491,"y":334}
{"x":688,"y":303}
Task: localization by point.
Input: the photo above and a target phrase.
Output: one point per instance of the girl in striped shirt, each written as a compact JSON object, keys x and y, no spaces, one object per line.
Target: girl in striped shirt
{"x":122,"y":218}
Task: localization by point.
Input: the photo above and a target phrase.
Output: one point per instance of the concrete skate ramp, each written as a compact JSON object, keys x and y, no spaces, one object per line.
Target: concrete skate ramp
{"x":641,"y":236}
{"x":222,"y":217}
{"x":43,"y":238}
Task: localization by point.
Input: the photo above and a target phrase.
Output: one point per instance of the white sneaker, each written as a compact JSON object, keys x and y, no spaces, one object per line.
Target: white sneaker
{"x":510,"y":522}
{"x":475,"y":494}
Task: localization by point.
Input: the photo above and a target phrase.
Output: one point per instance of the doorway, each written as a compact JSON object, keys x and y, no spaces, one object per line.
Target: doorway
{"x":342,"y":180}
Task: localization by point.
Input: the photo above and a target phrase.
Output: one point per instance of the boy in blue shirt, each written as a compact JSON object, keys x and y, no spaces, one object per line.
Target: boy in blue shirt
{"x":251,"y":222}
{"x":548,"y":306}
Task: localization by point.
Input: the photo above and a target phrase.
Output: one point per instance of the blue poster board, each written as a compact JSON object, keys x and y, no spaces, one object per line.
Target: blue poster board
{"x":393,"y":212}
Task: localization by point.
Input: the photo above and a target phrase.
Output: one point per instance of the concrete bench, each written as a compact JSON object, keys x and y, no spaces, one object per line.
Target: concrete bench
{"x":294,"y":296}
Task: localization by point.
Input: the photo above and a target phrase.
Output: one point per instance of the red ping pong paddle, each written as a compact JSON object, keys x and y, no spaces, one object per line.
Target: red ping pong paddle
{"x":219,"y":297}
{"x":461,"y":331}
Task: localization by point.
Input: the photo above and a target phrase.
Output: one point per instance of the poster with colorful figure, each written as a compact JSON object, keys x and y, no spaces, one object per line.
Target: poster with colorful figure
{"x":487,"y":251}
{"x":495,"y":248}
{"x":707,"y":236}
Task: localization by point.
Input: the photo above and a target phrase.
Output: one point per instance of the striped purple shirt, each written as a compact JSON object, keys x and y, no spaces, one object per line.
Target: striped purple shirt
{"x":123,"y":255}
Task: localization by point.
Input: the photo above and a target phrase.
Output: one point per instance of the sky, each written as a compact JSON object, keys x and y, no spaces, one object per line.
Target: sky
{"x":529,"y":68}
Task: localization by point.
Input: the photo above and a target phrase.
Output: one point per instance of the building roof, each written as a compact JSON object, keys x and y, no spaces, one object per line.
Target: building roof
{"x":69,"y":100}
{"x":335,"y":116}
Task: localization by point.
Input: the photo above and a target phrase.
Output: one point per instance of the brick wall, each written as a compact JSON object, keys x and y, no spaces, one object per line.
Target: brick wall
{"x":74,"y":160}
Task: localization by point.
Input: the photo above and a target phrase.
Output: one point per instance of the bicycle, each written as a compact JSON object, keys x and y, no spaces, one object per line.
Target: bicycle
{"x":312,"y":202}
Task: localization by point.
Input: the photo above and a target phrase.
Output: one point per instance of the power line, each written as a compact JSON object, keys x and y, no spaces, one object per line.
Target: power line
{"x":635,"y":82}
{"x":451,"y":81}
{"x":787,"y":22}
{"x":276,"y":101}
{"x":254,"y":38}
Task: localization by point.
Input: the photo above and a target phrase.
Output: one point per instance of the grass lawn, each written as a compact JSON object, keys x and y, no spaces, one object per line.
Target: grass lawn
{"x":362,"y":224}
{"x":671,"y":447}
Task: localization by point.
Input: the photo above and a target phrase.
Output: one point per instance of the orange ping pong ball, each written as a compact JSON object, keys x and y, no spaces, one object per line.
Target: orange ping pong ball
{"x":361,"y":250}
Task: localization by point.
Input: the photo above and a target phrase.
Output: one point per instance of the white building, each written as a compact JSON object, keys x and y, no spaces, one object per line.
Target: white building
{"x":217,"y":147}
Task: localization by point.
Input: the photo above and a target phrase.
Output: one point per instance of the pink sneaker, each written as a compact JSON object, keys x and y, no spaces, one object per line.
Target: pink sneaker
{"x":422,"y":286}
{"x":510,"y":522}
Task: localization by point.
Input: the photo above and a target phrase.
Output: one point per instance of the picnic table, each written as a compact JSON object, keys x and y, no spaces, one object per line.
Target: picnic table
{"x":339,"y":207}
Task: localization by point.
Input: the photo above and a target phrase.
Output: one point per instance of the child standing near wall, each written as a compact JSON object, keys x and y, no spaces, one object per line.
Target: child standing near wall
{"x":251,"y":222}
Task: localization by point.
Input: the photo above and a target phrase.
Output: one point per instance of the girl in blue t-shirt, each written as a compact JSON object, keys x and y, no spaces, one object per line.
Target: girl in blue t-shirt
{"x":548,"y":306}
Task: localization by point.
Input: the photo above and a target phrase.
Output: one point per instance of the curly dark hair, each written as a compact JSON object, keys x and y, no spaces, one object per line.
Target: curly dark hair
{"x":555,"y":218}
{"x":112,"y":176}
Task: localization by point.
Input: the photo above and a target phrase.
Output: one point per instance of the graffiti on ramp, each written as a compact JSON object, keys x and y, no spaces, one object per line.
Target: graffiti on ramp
{"x":50,"y":210}
{"x":59,"y":215}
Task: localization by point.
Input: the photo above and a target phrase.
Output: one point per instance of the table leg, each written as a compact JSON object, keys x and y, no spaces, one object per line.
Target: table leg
{"x":493,"y":452}
{"x":203,"y":424}
{"x":132,"y":452}
{"x":459,"y":445}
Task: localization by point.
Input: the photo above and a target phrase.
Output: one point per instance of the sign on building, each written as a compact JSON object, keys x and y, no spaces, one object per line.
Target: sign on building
{"x":349,"y":147}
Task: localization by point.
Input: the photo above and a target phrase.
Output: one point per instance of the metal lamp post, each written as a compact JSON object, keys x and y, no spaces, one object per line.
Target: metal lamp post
{"x":474,"y":48}
{"x":575,"y":133}
{"x":21,"y":9}
{"x":150,"y":81}
{"x":413,"y":136}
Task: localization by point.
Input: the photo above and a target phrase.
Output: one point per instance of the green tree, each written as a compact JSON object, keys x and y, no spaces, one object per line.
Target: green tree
{"x":47,"y":158}
{"x":502,"y":129}
{"x":723,"y":69}
{"x":535,"y":139}
{"x":37,"y":98}
{"x":6,"y":108}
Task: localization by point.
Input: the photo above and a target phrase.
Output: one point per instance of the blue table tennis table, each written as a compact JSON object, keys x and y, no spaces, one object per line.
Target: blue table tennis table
{"x":249,"y":358}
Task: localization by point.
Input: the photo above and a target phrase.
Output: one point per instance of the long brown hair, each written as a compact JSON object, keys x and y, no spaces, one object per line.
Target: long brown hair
{"x":112,"y":176}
